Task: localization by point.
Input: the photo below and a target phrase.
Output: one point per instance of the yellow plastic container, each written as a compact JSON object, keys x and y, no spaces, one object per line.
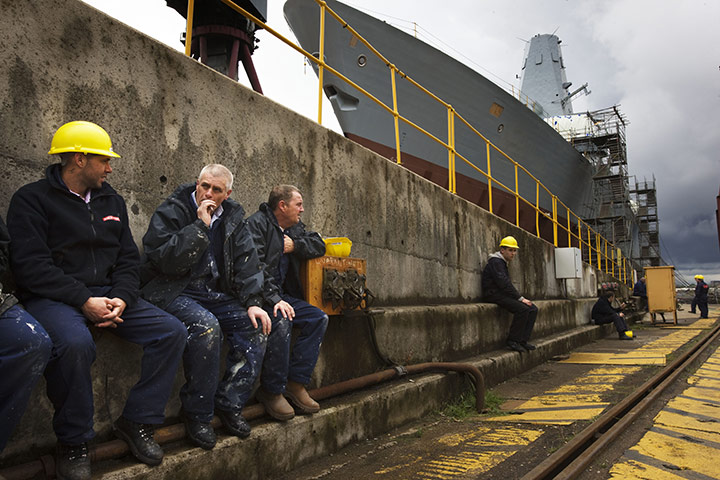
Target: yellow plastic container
{"x":337,"y":246}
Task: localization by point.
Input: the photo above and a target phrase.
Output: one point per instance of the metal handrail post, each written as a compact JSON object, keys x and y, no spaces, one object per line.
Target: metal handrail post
{"x":517,"y":198}
{"x":597,"y":245}
{"x":451,"y":152}
{"x":555,"y":221}
{"x":188,"y":28}
{"x":537,"y":209}
{"x":395,"y":115}
{"x":489,"y":172}
{"x":321,"y":64}
{"x":567,"y":210}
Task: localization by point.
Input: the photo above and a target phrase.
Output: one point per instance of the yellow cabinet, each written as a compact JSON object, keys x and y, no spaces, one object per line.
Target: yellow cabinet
{"x":660,"y":282}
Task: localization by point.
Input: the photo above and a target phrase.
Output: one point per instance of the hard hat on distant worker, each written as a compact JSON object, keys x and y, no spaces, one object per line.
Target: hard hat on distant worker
{"x":82,"y":137}
{"x":699,"y":277}
{"x":509,"y":242}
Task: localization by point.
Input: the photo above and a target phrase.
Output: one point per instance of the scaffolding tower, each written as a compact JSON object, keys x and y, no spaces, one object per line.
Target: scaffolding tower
{"x":645,"y":197}
{"x":601,"y":138}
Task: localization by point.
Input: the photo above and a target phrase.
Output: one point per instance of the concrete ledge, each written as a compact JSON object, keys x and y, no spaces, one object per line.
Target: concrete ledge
{"x":343,"y":420}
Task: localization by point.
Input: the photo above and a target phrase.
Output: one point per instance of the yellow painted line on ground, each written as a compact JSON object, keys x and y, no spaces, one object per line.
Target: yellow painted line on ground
{"x":615,"y":359}
{"x":482,"y":449}
{"x":635,"y":470}
{"x":685,"y":436}
{"x":580,"y":399}
{"x":703,"y":324}
{"x":653,"y":353}
{"x":671,"y":453}
{"x":556,"y":413}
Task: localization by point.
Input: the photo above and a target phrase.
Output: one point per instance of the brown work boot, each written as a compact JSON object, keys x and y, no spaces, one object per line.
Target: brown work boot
{"x":300,"y":398}
{"x":275,"y":405}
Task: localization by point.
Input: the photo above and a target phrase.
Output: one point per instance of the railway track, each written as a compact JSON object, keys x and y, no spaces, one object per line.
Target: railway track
{"x":574,"y":457}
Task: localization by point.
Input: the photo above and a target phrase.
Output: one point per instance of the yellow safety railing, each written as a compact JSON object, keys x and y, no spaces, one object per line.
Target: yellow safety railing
{"x":617,"y":267}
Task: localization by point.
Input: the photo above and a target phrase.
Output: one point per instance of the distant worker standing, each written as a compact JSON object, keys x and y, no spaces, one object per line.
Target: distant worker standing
{"x":497,"y":288}
{"x":701,"y":296}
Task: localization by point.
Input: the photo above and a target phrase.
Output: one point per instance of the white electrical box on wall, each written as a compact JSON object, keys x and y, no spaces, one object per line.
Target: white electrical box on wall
{"x":568,"y":263}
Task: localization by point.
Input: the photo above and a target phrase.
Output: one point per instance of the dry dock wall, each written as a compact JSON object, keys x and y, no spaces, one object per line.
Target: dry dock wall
{"x":168,"y":116}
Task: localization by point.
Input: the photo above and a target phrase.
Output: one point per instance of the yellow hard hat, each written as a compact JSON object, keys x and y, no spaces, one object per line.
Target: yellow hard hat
{"x":83,"y":137}
{"x":509,"y":242}
{"x":699,"y":277}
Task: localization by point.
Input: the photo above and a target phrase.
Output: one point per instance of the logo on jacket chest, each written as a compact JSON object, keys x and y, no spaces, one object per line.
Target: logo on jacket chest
{"x":111,"y":218}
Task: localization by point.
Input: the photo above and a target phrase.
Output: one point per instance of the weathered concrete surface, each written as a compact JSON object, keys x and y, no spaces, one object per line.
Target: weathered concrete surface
{"x":168,"y":116}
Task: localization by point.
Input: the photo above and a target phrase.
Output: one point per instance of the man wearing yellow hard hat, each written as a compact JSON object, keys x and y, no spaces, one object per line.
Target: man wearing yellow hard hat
{"x":77,"y":269}
{"x":498,"y":288}
{"x":701,"y":296}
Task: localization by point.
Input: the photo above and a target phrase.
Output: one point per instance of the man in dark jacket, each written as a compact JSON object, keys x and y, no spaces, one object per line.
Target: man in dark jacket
{"x":701,"y":295}
{"x":282,"y":243}
{"x":24,"y":349}
{"x":497,"y":288}
{"x":76,"y":268}
{"x":603,"y":312}
{"x":203,"y":268}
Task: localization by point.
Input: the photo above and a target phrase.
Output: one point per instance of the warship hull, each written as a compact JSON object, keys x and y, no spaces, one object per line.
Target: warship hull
{"x":506,"y":122}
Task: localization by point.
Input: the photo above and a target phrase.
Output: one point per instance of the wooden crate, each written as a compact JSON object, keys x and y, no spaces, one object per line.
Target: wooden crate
{"x":312,"y":273}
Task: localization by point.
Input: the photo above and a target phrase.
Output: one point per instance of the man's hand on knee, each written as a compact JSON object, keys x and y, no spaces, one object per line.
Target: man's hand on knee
{"x":256,"y":313}
{"x":285,"y":309}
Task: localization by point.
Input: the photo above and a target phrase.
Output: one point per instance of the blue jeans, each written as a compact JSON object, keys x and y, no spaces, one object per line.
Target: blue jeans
{"x":280,"y":366}
{"x":24,"y":351}
{"x":69,"y":384}
{"x":207,"y":320}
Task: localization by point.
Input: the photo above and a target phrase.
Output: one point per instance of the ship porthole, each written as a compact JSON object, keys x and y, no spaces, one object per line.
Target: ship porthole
{"x":501,"y":127}
{"x":362,"y":61}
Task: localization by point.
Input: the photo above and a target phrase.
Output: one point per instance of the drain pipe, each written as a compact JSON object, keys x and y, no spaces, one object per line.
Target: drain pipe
{"x":171,"y":433}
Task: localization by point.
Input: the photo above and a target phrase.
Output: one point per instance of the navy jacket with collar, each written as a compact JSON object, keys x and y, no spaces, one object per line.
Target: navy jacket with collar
{"x":176,"y":240}
{"x":61,"y":245}
{"x":496,"y":279}
{"x":268,"y":237}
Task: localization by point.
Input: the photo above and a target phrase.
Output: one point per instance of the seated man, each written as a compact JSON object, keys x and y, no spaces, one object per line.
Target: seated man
{"x":282,"y":243}
{"x":497,"y":288}
{"x":76,"y":267}
{"x":603,"y":312}
{"x":203,"y":268}
{"x":640,"y":290}
{"x":24,"y":349}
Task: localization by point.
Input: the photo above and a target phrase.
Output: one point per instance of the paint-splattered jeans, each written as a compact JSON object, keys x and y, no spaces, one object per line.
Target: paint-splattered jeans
{"x":279,"y":366}
{"x":207,"y":321}
{"x":24,"y":352}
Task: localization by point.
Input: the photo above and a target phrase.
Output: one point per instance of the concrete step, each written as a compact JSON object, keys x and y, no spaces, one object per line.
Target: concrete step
{"x":276,"y":448}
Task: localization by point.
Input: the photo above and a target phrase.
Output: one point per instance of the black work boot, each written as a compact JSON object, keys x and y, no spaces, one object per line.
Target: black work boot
{"x":72,"y":462}
{"x":234,"y":422}
{"x":139,"y":438}
{"x":528,"y":346}
{"x":199,"y":433}
{"x":515,"y":346}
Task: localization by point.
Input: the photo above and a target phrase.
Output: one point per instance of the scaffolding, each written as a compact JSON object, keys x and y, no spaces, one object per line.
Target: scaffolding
{"x":600,"y":137}
{"x":645,"y":197}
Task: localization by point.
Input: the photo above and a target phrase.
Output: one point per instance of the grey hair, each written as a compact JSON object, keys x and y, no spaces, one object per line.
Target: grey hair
{"x":217,"y":170}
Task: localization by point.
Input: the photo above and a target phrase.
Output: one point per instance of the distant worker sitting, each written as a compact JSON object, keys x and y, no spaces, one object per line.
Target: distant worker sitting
{"x":701,"y":296}
{"x":640,"y":290}
{"x":497,"y":288}
{"x":603,"y":312}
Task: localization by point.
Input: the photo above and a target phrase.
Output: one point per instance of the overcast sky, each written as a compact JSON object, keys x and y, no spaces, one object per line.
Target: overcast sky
{"x":657,"y":59}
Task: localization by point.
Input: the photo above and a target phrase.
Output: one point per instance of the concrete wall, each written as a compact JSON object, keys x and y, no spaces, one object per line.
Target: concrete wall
{"x":168,"y":116}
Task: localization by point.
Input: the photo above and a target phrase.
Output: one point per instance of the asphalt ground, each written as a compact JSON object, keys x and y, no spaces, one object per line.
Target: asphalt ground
{"x":543,"y":408}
